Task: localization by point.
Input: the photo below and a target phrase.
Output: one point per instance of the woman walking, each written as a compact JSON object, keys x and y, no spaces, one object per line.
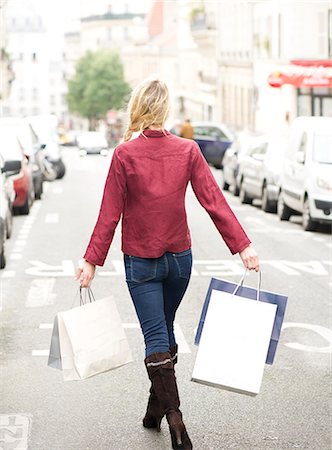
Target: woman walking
{"x":146,"y":186}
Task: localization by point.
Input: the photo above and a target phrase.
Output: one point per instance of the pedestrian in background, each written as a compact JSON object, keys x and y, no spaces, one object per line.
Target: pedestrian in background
{"x":187,"y":130}
{"x":146,"y":185}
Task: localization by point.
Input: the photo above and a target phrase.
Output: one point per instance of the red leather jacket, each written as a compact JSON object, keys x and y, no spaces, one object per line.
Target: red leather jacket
{"x":146,"y":185}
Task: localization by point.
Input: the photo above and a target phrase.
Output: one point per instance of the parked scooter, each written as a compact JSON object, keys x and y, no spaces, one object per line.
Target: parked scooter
{"x":45,"y":129}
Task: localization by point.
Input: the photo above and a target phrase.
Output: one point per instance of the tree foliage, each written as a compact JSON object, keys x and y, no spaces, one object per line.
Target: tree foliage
{"x":97,"y":86}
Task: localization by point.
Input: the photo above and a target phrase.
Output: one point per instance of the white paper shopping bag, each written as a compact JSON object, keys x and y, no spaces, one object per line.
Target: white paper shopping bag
{"x":234,"y":343}
{"x":92,"y":340}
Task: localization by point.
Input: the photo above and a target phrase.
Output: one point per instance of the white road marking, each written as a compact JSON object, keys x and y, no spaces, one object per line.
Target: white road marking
{"x":204,"y":267}
{"x":15,"y":256}
{"x":328,"y":244}
{"x":23,"y":235}
{"x":20,"y":243}
{"x":318,"y":239}
{"x":131,"y":326}
{"x":40,"y":352}
{"x":40,"y":293}
{"x":223,"y":269}
{"x":52,"y":218}
{"x":15,"y":431}
{"x":8,"y":274}
{"x":323,"y":332}
{"x":181,"y":340}
{"x":57,"y":190}
{"x":40,"y":269}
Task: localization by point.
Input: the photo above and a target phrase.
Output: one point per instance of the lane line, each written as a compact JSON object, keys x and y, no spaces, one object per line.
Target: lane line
{"x":57,"y":190}
{"x":8,"y":274}
{"x":15,"y":256}
{"x":181,"y":340}
{"x":40,"y":352}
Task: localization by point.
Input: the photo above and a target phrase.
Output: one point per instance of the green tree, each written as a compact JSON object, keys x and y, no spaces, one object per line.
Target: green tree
{"x":97,"y":86}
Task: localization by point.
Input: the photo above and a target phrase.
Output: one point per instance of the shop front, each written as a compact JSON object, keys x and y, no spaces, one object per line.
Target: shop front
{"x":313,"y":83}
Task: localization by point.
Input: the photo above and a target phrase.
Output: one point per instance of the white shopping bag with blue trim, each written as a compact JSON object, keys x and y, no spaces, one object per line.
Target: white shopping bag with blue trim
{"x":234,"y":342}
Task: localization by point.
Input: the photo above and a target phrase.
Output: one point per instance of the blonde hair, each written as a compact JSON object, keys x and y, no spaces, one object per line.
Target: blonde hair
{"x":148,"y":105}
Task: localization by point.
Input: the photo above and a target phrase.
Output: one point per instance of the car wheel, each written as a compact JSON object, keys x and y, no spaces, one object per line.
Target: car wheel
{"x":307,"y":223}
{"x":244,"y":198}
{"x":2,"y":258}
{"x":267,"y":205}
{"x":236,"y":190}
{"x":25,"y":209}
{"x":60,"y":169}
{"x":9,"y":224}
{"x":284,"y":212}
{"x":225,"y":186}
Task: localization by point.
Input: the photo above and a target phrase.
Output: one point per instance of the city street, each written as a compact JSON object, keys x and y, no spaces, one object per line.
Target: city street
{"x":40,"y":411}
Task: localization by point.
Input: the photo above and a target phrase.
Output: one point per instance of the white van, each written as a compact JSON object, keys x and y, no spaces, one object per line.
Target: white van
{"x":306,"y":178}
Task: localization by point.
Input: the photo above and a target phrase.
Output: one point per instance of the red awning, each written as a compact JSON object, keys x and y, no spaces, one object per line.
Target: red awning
{"x":302,"y":76}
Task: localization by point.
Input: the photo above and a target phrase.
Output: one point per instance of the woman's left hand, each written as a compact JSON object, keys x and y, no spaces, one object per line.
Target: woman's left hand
{"x":85,"y":274}
{"x":250,"y":259}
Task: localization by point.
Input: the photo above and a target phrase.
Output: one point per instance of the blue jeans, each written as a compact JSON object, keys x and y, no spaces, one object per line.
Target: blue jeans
{"x":157,"y":286}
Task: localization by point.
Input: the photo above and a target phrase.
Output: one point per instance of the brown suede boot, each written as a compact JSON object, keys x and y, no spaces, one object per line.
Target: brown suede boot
{"x":161,"y":373}
{"x":154,"y":414}
{"x":174,"y":354}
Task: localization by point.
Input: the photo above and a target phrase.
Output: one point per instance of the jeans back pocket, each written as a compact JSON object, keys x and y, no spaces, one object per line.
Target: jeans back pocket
{"x":140,"y":269}
{"x":184,"y":261}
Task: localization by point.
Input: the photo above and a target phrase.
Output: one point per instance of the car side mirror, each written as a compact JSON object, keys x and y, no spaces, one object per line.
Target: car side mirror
{"x":11,"y":167}
{"x":300,"y":157}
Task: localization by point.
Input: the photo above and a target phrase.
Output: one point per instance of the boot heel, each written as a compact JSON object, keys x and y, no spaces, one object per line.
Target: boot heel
{"x":152,"y":422}
{"x":180,"y":439}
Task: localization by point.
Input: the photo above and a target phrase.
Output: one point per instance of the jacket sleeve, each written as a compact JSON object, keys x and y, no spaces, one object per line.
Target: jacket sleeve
{"x":212,"y":199}
{"x":111,"y":208}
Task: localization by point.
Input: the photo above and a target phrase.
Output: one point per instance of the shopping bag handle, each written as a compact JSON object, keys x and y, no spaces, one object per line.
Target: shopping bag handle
{"x":259,"y":282}
{"x":88,"y":296}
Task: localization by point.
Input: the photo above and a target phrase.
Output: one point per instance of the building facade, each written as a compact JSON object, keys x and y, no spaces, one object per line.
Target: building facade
{"x":272,"y":66}
{"x":6,"y":71}
{"x":39,"y":84}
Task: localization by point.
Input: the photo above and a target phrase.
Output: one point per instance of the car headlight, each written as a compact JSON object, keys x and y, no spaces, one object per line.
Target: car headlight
{"x":323,"y":183}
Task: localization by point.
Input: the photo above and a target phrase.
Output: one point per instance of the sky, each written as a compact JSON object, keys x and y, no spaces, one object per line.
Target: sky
{"x":60,"y":16}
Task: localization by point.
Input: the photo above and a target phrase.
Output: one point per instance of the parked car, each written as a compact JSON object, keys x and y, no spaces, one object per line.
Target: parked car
{"x":306,"y":177}
{"x":11,"y":150}
{"x":213,"y":140}
{"x":232,"y":159}
{"x":45,"y":128}
{"x":29,"y":143}
{"x":260,"y":170}
{"x":7,"y":196}
{"x":92,"y":142}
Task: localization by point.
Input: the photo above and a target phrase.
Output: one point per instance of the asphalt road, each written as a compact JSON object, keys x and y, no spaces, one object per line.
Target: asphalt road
{"x":104,"y":412}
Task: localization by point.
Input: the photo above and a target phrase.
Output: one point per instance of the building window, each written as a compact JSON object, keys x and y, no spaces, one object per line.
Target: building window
{"x":34,"y":57}
{"x":52,"y":100}
{"x":322,"y":33}
{"x":329,"y":26}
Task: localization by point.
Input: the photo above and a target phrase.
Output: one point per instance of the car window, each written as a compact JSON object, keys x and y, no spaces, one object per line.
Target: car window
{"x":258,"y":149}
{"x":208,"y":131}
{"x":322,"y":150}
{"x":9,"y":145}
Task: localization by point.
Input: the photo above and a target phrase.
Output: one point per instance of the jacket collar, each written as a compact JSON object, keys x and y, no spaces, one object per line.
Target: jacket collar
{"x":154,"y":133}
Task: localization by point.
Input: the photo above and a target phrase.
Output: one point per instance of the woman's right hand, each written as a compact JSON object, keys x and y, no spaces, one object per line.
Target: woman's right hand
{"x":86,"y":274}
